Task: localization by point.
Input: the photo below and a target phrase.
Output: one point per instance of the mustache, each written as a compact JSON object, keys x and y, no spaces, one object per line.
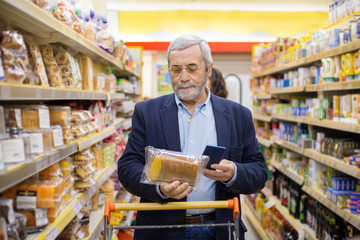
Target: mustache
{"x":185,"y":85}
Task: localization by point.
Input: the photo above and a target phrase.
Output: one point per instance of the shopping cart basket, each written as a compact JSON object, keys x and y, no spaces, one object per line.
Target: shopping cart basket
{"x":230,"y":204}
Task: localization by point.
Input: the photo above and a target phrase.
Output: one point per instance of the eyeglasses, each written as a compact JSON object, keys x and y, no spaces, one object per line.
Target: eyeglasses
{"x":191,"y":68}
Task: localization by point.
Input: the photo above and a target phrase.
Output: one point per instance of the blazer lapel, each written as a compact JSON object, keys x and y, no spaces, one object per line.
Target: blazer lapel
{"x":169,"y":119}
{"x":222,"y":123}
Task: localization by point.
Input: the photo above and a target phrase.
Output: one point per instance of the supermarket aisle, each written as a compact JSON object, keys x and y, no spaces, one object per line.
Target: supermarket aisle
{"x":251,"y":233}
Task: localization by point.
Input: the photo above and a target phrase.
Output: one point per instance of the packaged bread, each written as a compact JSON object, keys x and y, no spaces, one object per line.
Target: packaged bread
{"x":60,"y":115}
{"x":98,"y":153}
{"x":66,"y":166}
{"x":119,"y":50}
{"x":52,"y":69}
{"x":83,"y":185}
{"x":95,"y":201}
{"x":35,"y":116}
{"x":67,"y":66}
{"x":84,"y":224}
{"x":164,"y":166}
{"x":110,"y":83}
{"x":99,"y":82}
{"x":78,"y":118}
{"x":37,"y":74}
{"x":53,"y":213}
{"x":12,"y":117}
{"x":83,"y":171}
{"x":40,"y":141}
{"x":86,"y":70}
{"x":35,"y":218}
{"x":108,"y":187}
{"x":14,"y":55}
{"x":51,"y":172}
{"x":34,"y":193}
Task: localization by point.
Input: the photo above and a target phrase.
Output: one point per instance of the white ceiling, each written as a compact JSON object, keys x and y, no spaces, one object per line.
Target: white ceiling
{"x":243,"y":5}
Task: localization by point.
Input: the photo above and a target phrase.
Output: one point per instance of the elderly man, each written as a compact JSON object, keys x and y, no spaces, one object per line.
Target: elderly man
{"x":187,"y":121}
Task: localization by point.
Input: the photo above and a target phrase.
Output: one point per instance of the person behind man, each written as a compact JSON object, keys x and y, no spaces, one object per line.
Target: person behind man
{"x":187,"y":121}
{"x":216,"y":83}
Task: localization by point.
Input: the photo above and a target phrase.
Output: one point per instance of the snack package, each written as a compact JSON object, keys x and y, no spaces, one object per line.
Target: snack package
{"x":37,"y":74}
{"x":51,"y":67}
{"x":164,"y":166}
{"x":15,"y":57}
{"x":67,"y":68}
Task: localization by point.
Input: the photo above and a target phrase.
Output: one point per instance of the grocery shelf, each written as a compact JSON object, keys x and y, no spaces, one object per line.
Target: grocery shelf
{"x":295,"y":177}
{"x":325,"y":123}
{"x":23,"y":171}
{"x":119,"y":123}
{"x":262,"y":97}
{"x":94,"y":138}
{"x":262,"y":117}
{"x":13,"y":91}
{"x":285,"y":213}
{"x":254,"y":220}
{"x":324,"y":159}
{"x":281,"y":68}
{"x":31,"y":18}
{"x":96,"y":223}
{"x":349,"y":47}
{"x":287,"y":90}
{"x":336,"y":86}
{"x":263,"y":141}
{"x":55,"y":228}
{"x":333,"y":162}
{"x":345,"y":214}
{"x":291,"y":146}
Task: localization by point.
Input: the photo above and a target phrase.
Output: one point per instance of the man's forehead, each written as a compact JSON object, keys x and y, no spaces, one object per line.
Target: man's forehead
{"x":188,"y":55}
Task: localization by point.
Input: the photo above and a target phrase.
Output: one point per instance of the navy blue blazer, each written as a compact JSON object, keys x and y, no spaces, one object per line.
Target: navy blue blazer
{"x":155,"y":123}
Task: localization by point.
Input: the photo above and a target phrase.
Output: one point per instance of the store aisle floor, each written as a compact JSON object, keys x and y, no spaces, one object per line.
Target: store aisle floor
{"x":251,"y":233}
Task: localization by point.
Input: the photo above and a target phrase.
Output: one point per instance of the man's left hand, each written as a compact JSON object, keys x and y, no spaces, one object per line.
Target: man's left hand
{"x":223,"y":172}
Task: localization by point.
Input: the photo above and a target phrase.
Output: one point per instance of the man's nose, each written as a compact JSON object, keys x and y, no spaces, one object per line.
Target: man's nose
{"x":184,"y":75}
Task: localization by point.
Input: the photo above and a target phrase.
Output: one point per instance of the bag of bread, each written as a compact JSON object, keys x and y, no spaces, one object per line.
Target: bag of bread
{"x":52,"y":69}
{"x":67,"y":67}
{"x":37,"y":74}
{"x":86,"y":70}
{"x":14,"y":55}
{"x":164,"y":166}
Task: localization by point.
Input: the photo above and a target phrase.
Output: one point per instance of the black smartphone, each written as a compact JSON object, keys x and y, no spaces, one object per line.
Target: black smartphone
{"x":215,"y":153}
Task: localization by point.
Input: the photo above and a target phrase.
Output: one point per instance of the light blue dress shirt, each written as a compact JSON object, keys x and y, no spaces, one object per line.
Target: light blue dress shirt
{"x":196,"y":132}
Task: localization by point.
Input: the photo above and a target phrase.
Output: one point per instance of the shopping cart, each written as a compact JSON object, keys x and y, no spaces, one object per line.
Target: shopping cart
{"x":230,"y":204}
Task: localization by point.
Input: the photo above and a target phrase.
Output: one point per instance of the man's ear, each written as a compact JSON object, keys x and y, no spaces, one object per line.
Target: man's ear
{"x":210,"y":70}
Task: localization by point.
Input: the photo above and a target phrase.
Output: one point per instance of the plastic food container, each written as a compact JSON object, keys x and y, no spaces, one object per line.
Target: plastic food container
{"x":57,"y":140}
{"x":60,"y":115}
{"x":40,"y":142}
{"x":35,"y":116}
{"x":13,"y":117}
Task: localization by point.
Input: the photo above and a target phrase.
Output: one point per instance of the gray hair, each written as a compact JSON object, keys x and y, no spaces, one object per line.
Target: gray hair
{"x":189,"y":40}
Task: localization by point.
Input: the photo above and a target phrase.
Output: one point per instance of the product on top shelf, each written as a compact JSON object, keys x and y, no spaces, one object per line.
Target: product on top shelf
{"x":14,"y":56}
{"x":51,"y":67}
{"x":37,"y":74}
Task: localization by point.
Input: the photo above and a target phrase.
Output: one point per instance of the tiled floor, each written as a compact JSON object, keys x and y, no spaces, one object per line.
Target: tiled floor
{"x":251,"y":233}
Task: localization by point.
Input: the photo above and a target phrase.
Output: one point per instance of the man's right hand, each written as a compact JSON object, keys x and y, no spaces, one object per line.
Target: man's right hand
{"x":176,"y":190}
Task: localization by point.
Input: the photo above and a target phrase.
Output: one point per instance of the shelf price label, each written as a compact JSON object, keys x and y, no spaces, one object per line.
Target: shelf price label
{"x":52,"y":233}
{"x":270,"y":203}
{"x":77,"y":207}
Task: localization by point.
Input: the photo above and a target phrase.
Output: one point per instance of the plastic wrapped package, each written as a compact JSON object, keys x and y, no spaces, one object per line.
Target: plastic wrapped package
{"x":7,"y":210}
{"x":60,"y":11}
{"x":108,"y":187}
{"x":105,"y":40}
{"x":108,"y":150}
{"x":70,"y":230}
{"x":56,"y":136}
{"x":37,"y":74}
{"x":13,"y":117}
{"x":95,"y":201}
{"x":68,"y":135}
{"x":78,"y":118}
{"x":34,"y":193}
{"x":110,"y":83}
{"x":14,"y":55}
{"x":40,"y":142}
{"x":68,"y":193}
{"x":86,"y":70}
{"x":53,"y":213}
{"x":90,"y":31}
{"x":83,"y":185}
{"x":35,"y":116}
{"x":51,"y":172}
{"x":99,"y":82}
{"x":60,"y":115}
{"x":164,"y":166}
{"x":66,"y":166}
{"x":84,"y":224}
{"x":119,"y":51}
{"x":52,"y":69}
{"x":15,"y":150}
{"x":63,"y":59}
{"x":98,"y":153}
{"x":78,"y":132}
{"x":83,"y":172}
{"x":35,"y":218}
{"x":83,"y":157}
{"x":20,"y":225}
